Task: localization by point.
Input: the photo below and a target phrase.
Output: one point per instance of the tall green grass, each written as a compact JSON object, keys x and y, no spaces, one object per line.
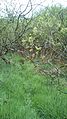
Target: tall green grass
{"x":25,"y":94}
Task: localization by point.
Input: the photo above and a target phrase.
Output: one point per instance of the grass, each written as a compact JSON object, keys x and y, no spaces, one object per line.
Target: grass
{"x":25,"y":94}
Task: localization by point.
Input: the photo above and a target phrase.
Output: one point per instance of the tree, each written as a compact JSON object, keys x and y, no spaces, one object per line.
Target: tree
{"x":13,"y":26}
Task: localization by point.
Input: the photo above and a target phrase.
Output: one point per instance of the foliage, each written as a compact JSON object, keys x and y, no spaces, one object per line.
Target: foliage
{"x":42,"y":35}
{"x":48,"y":37}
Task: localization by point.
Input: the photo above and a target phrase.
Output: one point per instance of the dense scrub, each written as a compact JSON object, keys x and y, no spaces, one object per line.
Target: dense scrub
{"x":43,"y":35}
{"x":48,"y":36}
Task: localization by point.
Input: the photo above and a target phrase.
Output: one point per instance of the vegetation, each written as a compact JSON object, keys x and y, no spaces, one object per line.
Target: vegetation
{"x":26,"y":94}
{"x":33,"y":63}
{"x":50,"y":32}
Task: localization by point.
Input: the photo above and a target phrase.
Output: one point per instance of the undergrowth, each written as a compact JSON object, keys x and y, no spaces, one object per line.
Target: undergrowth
{"x":26,"y":94}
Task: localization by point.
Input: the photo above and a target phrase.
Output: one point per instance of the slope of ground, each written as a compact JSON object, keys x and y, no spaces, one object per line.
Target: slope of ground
{"x":25,"y":94}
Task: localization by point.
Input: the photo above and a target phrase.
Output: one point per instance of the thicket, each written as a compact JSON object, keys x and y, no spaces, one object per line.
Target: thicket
{"x":49,"y":32}
{"x":43,"y":37}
